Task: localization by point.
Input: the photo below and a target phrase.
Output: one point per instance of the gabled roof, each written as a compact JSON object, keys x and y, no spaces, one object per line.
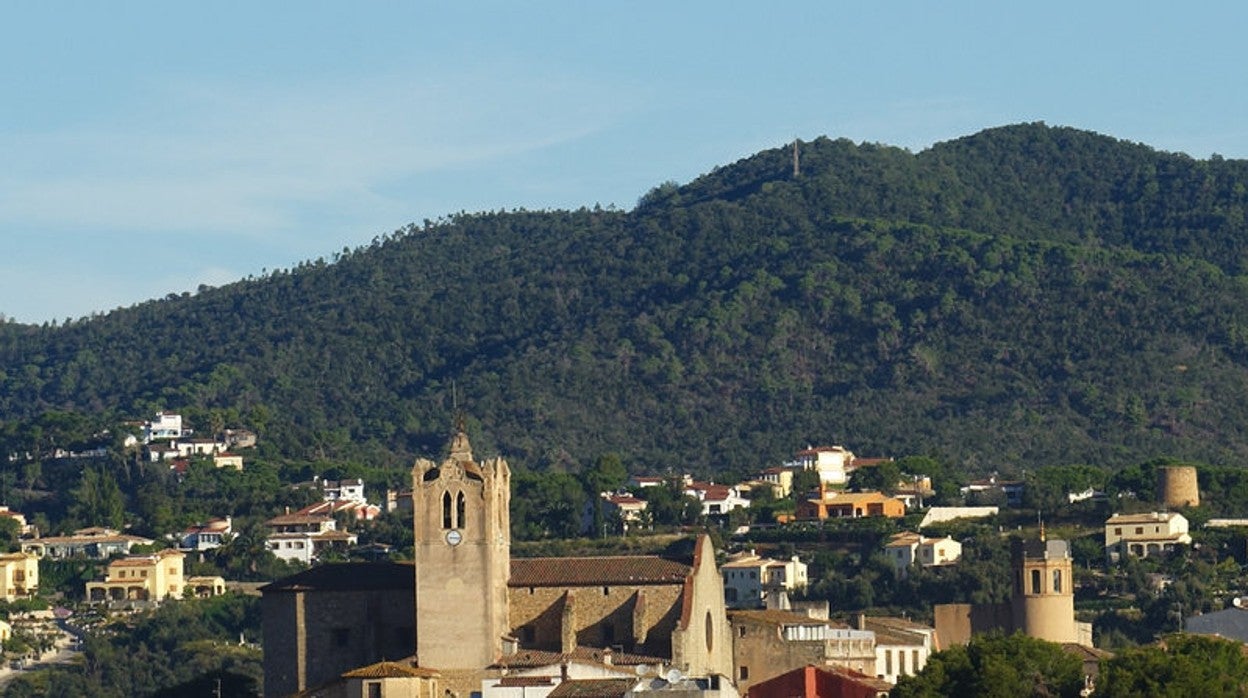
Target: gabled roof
{"x":596,"y":571}
{"x":528,"y":659}
{"x":390,"y":670}
{"x":593,"y":688}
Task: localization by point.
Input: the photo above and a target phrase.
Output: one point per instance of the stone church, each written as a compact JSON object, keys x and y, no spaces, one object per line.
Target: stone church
{"x":465,"y":611}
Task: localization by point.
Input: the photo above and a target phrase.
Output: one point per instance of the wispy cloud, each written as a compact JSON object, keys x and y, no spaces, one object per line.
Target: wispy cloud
{"x":254,"y":159}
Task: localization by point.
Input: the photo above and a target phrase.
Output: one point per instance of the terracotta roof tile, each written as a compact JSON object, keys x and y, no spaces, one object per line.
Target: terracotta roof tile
{"x":593,"y":688}
{"x":389,"y":670}
{"x":594,"y":571}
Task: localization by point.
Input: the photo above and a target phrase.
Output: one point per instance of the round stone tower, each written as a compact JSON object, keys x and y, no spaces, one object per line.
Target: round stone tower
{"x":1044,"y":600}
{"x":1176,"y":486}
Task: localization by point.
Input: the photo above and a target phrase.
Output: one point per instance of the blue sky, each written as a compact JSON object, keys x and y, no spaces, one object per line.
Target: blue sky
{"x":149,"y":147}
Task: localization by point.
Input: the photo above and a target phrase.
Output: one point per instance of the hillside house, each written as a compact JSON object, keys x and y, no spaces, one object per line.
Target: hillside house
{"x":304,"y":537}
{"x":154,"y":577}
{"x":906,"y":550}
{"x":19,"y":575}
{"x":832,"y":504}
{"x":96,"y":542}
{"x":1142,"y":535}
{"x":749,"y":579}
{"x":211,"y":534}
{"x":716,"y":499}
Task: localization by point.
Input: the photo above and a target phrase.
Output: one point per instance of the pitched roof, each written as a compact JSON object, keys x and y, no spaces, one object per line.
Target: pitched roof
{"x":778,"y":617}
{"x":349,"y":576}
{"x":528,"y":659}
{"x":1151,"y":517}
{"x":595,"y":571}
{"x":390,"y":670}
{"x":593,"y":688}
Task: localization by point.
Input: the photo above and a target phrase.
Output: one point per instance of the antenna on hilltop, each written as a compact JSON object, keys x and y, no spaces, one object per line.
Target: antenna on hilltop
{"x":797,"y":160}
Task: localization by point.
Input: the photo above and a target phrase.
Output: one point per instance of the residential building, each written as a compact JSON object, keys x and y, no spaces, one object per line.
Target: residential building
{"x":19,"y":575}
{"x":902,"y":647}
{"x":97,"y":542}
{"x":780,"y":479}
{"x":23,"y":528}
{"x":202,"y":587}
{"x":389,"y":679}
{"x":767,"y":643}
{"x":166,"y":425}
{"x":1142,"y":535}
{"x":1230,"y":623}
{"x":304,"y":537}
{"x":716,"y":499}
{"x":833,"y":463}
{"x":228,"y":460}
{"x":749,"y":579}
{"x":154,"y":578}
{"x":628,"y":509}
{"x":906,"y":550}
{"x":1008,"y":491}
{"x":211,"y":534}
{"x":351,"y":490}
{"x":535,"y":673}
{"x":812,"y":681}
{"x":834,"y":504}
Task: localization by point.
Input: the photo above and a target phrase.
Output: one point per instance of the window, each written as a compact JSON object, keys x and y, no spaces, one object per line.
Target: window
{"x":459,"y":510}
{"x":1035,"y":581}
{"x":372,"y":689}
{"x":741,"y":631}
{"x":888,"y":662}
{"x":173,"y":571}
{"x":1139,"y":530}
{"x":606,"y":591}
{"x":743,"y":673}
{"x":1057,"y":581}
{"x":901,"y":661}
{"x":914,"y":661}
{"x":1118,"y":531}
{"x":446,"y":510}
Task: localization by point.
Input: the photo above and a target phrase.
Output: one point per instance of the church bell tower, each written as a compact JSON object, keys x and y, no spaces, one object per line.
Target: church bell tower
{"x":462,"y":526}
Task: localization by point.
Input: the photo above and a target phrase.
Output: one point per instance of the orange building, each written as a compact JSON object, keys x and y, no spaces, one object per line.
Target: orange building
{"x":850,"y":505}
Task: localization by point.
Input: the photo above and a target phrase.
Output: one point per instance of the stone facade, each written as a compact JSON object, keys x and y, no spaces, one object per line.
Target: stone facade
{"x":462,"y":527}
{"x":769,"y":643}
{"x":325,"y":621}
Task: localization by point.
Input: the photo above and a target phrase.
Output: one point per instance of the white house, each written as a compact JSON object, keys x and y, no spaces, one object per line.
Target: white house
{"x":716,"y":499}
{"x":905,"y":550}
{"x":164,"y":426}
{"x":749,"y":579}
{"x":303,"y":537}
{"x":902,"y":647}
{"x":1143,"y":535}
{"x":212,"y":534}
{"x":833,"y":463}
{"x":349,"y":490}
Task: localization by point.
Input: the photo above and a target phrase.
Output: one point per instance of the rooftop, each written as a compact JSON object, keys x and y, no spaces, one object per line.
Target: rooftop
{"x":596,"y":571}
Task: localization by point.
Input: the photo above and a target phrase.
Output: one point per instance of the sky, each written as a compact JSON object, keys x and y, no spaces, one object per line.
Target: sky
{"x":147,"y":148}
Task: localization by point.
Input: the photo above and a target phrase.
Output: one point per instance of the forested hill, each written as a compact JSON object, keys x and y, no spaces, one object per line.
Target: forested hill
{"x":1027,"y":295}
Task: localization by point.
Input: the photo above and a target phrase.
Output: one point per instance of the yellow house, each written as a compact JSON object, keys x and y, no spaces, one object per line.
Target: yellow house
{"x":154,"y":577}
{"x":19,"y":575}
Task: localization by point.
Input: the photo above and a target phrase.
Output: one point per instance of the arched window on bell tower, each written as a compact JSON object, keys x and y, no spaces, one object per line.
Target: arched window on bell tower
{"x":460,"y":504}
{"x":446,"y":510}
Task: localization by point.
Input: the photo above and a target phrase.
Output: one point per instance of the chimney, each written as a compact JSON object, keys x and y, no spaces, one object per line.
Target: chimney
{"x":860,"y":621}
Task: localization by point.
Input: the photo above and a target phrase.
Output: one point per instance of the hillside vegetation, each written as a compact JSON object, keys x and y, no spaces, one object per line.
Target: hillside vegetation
{"x":1025,"y":296}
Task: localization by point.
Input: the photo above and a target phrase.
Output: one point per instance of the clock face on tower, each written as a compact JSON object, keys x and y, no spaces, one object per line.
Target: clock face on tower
{"x":453,"y":537}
